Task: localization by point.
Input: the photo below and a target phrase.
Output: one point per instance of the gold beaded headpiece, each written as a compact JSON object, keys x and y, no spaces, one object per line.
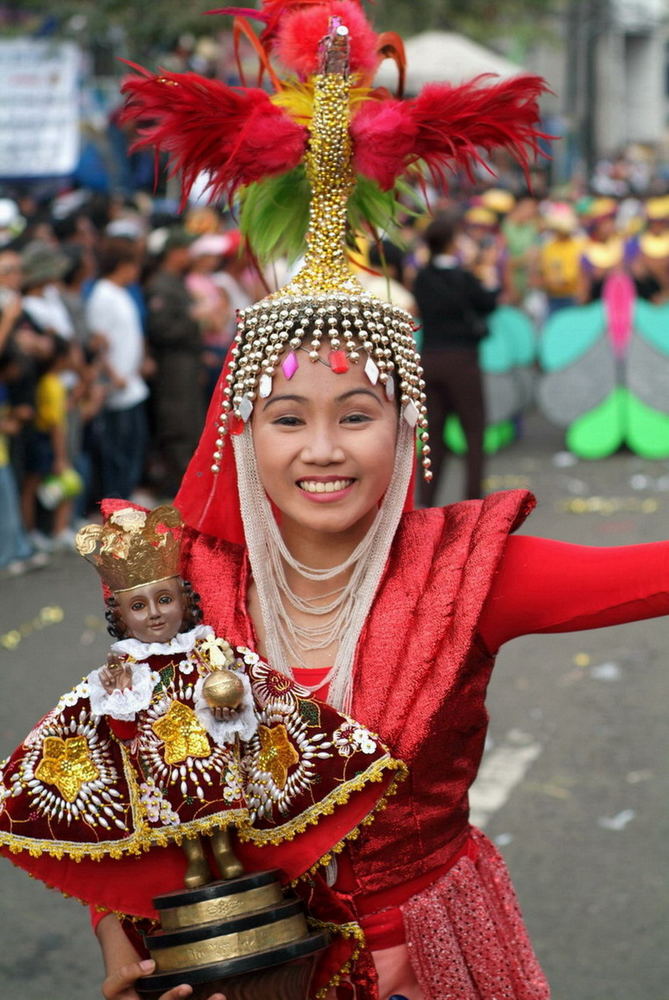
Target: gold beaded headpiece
{"x":133,"y":548}
{"x":324,"y":128}
{"x":325,"y":302}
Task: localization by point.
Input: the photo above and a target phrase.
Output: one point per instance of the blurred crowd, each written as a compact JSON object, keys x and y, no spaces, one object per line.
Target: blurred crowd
{"x":115,"y":318}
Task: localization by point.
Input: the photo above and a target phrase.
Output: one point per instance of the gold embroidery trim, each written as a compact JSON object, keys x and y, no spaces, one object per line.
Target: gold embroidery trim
{"x":144,"y":838}
{"x":338,"y":796}
{"x":350,"y":930}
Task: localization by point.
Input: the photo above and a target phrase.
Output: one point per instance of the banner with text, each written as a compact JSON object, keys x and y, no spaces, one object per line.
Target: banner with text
{"x":39,"y":108}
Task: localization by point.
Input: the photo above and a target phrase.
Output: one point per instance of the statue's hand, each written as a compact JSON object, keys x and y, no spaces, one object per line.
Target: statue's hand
{"x":116,"y":675}
{"x":222,"y":713}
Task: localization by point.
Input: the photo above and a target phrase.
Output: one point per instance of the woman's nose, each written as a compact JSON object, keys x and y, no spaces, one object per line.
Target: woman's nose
{"x":323,"y":448}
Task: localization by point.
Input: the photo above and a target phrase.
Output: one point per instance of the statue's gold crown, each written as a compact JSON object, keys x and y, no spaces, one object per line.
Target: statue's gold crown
{"x":133,"y":547}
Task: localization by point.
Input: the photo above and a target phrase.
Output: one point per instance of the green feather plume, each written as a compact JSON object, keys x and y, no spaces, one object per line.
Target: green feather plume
{"x":274,"y":215}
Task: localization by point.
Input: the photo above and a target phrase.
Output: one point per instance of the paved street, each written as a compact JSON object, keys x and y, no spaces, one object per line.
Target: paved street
{"x":574,"y":787}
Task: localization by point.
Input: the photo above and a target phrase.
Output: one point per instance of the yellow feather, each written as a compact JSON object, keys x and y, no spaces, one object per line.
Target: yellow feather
{"x":297,"y":100}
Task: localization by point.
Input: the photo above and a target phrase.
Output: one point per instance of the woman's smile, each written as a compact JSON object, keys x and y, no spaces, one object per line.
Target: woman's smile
{"x":326,"y":488}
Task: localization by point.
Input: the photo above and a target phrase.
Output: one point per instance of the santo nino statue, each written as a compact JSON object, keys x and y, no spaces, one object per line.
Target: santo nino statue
{"x":136,"y":782}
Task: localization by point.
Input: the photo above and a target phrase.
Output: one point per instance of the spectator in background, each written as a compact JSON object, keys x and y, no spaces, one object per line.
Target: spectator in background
{"x":175,"y":338}
{"x":47,"y":450}
{"x":211,"y":302}
{"x":452,"y":304}
{"x":17,"y":554}
{"x":520,"y":229}
{"x":647,"y":253}
{"x":603,"y":251}
{"x":387,"y":282}
{"x":481,"y":246}
{"x":43,"y":270}
{"x":113,"y":317}
{"x":560,"y":257}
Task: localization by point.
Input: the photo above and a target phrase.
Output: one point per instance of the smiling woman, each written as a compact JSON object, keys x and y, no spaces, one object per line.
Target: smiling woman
{"x":302,"y":541}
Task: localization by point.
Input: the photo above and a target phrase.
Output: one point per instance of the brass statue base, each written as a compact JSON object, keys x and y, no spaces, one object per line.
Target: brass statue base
{"x":240,"y":936}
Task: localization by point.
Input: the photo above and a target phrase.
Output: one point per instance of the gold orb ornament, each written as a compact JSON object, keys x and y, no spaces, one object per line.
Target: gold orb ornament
{"x":223,"y":689}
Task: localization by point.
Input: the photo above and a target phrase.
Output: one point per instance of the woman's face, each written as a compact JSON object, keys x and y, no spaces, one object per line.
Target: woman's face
{"x":325,"y":446}
{"x":153,"y":612}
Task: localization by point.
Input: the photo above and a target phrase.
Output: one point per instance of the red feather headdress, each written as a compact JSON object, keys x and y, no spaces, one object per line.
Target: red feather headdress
{"x":252,"y":142}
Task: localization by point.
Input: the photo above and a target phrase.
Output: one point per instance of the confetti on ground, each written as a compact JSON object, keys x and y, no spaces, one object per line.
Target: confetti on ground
{"x":617,"y":822}
{"x":563,"y":459}
{"x":606,"y":672}
{"x":606,"y":506}
{"x":635,"y":777}
{"x":581,"y":660}
{"x":506,"y":482}
{"x":50,"y":615}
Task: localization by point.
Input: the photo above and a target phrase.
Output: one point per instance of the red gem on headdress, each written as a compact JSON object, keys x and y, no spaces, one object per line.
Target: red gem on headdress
{"x":338,"y":362}
{"x":235,"y":424}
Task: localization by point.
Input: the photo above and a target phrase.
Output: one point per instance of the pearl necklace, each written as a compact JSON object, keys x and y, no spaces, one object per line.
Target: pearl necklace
{"x":349,"y":605}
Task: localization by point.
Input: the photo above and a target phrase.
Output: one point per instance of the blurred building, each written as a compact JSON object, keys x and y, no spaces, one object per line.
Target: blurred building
{"x":607,"y":64}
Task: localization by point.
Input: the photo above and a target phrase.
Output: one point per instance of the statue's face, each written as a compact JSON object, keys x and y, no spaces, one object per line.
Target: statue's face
{"x":155,"y":612}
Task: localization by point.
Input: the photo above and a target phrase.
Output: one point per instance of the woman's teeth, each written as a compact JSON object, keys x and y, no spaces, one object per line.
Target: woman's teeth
{"x":319,"y":487}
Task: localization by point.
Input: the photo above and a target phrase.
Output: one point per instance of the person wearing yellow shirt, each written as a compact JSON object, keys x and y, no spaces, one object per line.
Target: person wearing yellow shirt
{"x":560,"y":257}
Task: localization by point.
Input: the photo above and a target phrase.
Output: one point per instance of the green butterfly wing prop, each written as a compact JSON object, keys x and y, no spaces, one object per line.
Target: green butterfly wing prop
{"x":606,"y":399}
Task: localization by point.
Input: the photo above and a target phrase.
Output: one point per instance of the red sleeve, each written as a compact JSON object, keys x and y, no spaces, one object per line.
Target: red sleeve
{"x":96,"y":914}
{"x":547,"y":586}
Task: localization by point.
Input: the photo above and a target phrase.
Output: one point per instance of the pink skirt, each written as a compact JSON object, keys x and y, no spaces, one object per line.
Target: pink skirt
{"x":464,"y":938}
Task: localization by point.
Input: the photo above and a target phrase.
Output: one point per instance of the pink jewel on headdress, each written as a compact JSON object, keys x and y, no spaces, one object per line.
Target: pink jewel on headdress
{"x":410,"y":413}
{"x":338,"y":362}
{"x":371,"y":370}
{"x":390,"y":387}
{"x":289,"y":365}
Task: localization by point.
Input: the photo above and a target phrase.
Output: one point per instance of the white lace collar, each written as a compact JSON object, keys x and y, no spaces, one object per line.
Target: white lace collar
{"x":182,"y":642}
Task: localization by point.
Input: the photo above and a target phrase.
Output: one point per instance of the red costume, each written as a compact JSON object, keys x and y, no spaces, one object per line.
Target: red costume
{"x":455,"y":587}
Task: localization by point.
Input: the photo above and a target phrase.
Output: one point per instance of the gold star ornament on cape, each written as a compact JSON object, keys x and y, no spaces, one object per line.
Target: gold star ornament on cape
{"x":66,"y":764}
{"x":277,"y":753}
{"x":182,"y":734}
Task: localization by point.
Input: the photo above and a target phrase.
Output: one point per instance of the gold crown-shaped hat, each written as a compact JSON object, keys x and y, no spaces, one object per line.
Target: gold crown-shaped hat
{"x":133,"y":547}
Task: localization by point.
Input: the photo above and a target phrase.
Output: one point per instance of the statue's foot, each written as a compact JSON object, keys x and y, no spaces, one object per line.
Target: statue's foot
{"x":229,"y":866}
{"x":197,"y":874}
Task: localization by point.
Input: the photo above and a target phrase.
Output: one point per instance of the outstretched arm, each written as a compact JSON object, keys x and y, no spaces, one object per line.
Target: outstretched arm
{"x":547,"y":586}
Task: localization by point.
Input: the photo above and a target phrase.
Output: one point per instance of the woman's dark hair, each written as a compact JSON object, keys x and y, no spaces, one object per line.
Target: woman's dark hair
{"x":440,"y":233}
{"x":192,"y":613}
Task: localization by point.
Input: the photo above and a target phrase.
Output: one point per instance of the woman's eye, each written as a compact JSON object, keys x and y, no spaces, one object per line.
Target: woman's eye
{"x":165,"y":599}
{"x":137,"y":606}
{"x":356,"y":418}
{"x":287,"y":421}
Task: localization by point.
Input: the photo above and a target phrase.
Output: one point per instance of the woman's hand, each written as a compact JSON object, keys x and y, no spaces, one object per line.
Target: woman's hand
{"x":119,"y":985}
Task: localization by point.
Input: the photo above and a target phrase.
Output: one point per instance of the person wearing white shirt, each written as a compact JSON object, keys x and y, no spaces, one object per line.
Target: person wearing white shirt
{"x":112,"y":314}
